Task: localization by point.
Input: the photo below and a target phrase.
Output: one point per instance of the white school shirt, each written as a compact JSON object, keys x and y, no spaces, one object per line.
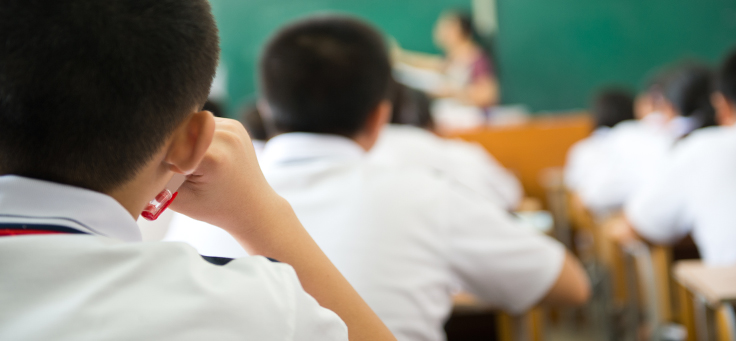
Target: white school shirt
{"x":585,"y":158}
{"x":107,"y":285}
{"x":406,"y":237}
{"x":633,"y":154}
{"x":258,"y":145}
{"x":695,"y":193}
{"x":465,"y":162}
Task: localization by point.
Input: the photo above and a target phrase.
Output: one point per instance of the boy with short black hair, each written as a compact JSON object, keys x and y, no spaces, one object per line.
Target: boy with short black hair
{"x":404,"y":237}
{"x":100,"y":106}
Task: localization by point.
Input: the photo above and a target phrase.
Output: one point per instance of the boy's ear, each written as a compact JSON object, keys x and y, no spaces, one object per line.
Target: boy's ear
{"x":725,"y":109}
{"x":190,"y":141}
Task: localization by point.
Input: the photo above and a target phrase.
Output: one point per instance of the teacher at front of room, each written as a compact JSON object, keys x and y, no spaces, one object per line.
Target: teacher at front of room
{"x":469,"y":77}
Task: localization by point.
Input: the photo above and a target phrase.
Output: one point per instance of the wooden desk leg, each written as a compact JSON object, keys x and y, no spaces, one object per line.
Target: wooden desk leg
{"x":704,"y":324}
{"x":526,"y":327}
{"x":687,"y":316}
{"x":725,"y":323}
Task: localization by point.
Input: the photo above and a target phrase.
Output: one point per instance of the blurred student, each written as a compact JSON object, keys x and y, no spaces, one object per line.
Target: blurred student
{"x":253,"y":122}
{"x":409,"y":140}
{"x":97,"y":115}
{"x":215,"y":107}
{"x":696,"y":192}
{"x":637,"y":150}
{"x":405,"y":238}
{"x":610,"y":107}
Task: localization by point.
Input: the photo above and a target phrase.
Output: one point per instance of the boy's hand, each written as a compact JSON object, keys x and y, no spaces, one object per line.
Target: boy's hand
{"x":229,"y":190}
{"x":228,"y":185}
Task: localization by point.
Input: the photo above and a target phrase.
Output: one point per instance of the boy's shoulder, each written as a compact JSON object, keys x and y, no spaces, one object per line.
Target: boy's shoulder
{"x":167,"y":289}
{"x":707,"y":142}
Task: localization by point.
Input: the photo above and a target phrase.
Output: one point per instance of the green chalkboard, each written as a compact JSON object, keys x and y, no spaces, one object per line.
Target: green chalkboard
{"x":246,"y":24}
{"x":551,"y":54}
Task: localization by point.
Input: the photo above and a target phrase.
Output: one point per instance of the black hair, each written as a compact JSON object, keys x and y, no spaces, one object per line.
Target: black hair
{"x":90,"y":90}
{"x":688,"y":89}
{"x":464,"y":20}
{"x":726,"y":82}
{"x":612,"y":106}
{"x":324,"y":75}
{"x":251,"y":119}
{"x":411,"y":107}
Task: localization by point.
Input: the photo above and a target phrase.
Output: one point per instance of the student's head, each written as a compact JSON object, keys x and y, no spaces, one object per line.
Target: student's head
{"x":91,"y":91}
{"x":327,"y":74}
{"x":411,"y":107}
{"x":251,"y":119}
{"x":612,"y":106}
{"x":724,"y":98}
{"x":687,"y":92}
{"x":453,"y":28}
{"x":651,"y":99}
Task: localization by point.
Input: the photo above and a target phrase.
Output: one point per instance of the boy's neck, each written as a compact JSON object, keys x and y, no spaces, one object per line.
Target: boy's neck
{"x":138,"y":192}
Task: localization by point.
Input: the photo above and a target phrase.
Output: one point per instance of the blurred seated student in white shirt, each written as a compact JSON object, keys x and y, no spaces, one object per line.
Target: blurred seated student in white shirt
{"x":409,"y":140}
{"x":636,"y":150}
{"x":94,"y":122}
{"x":696,"y":192}
{"x":251,"y":119}
{"x":610,"y":107}
{"x":405,"y":238}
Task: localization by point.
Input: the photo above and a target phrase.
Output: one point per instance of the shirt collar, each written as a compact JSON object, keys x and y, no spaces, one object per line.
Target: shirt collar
{"x":28,"y":200}
{"x":304,"y":147}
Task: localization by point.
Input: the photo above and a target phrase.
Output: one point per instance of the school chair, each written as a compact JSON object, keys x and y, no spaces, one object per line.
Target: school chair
{"x":708,"y":294}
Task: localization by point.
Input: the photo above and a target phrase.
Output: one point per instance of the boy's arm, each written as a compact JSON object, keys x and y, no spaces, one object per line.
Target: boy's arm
{"x":506,"y":264}
{"x":571,"y":287}
{"x":229,"y":190}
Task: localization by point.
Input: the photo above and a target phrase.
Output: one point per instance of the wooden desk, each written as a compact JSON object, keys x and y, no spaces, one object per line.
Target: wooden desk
{"x":530,"y":148}
{"x":713,"y":292}
{"x":717,"y":285}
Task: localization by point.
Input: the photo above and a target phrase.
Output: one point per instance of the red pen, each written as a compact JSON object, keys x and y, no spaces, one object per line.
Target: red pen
{"x":159,"y":204}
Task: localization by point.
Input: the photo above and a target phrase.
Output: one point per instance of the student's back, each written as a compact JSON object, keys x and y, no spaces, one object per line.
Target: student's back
{"x":696,"y":191}
{"x":407,"y":238}
{"x":587,"y":158}
{"x":70,"y":287}
{"x":636,"y":151}
{"x":410,"y":141}
{"x":632,"y":153}
{"x":461,"y":161}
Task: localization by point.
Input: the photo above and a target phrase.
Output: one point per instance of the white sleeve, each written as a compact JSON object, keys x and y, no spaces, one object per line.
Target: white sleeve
{"x":504,"y":264}
{"x":658,"y":212}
